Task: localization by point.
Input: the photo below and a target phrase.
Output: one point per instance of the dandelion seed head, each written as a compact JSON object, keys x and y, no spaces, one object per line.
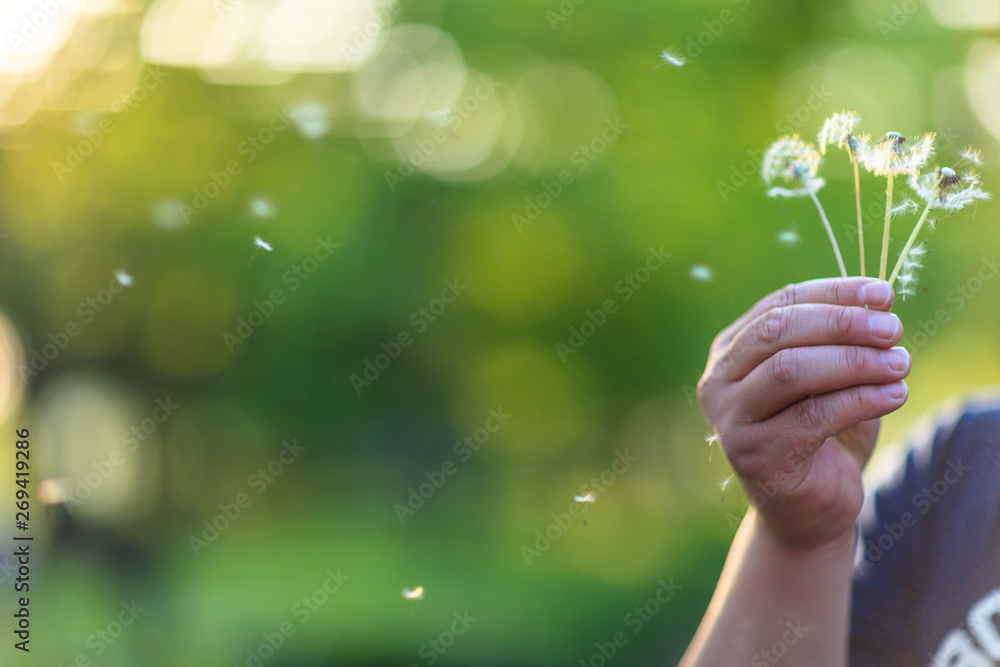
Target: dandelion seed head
{"x":791,"y":161}
{"x":702,"y":273}
{"x":838,"y":130}
{"x":262,"y":244}
{"x":414,"y":594}
{"x":589,"y":497}
{"x":894,"y":156}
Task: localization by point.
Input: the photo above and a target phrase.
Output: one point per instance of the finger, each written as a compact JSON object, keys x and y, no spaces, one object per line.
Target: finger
{"x":860,"y":292}
{"x":792,"y":375}
{"x":813,"y":420}
{"x":802,"y":326}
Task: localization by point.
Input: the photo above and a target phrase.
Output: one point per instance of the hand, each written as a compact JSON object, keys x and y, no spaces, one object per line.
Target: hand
{"x":794,"y":389}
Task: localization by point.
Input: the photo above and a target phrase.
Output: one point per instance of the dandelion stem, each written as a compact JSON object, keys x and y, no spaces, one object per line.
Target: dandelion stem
{"x":829,"y":232}
{"x":884,"y":260}
{"x":909,"y":242}
{"x":861,"y":231}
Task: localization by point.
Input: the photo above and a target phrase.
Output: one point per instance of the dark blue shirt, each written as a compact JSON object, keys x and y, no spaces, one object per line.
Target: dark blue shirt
{"x":927,"y":570}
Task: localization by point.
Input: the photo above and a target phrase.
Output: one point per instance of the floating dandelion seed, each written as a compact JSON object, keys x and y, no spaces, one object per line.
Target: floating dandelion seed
{"x":261,"y":207}
{"x":725,"y":484}
{"x":413,"y":595}
{"x":312,"y":119}
{"x":260,"y":245}
{"x":788,"y":237}
{"x":587,"y":500}
{"x":712,"y":439}
{"x":702,"y":273}
{"x":122,"y":277}
{"x":668,"y":58}
{"x":905,"y":207}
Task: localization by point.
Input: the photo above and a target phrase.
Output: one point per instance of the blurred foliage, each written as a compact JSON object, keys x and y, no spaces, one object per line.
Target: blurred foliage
{"x":629,"y":387}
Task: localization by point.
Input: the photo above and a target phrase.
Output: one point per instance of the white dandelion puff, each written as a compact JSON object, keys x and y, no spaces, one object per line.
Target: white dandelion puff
{"x":894,"y":155}
{"x":702,"y":273}
{"x":668,"y":58}
{"x":123,"y":277}
{"x":838,"y":130}
{"x":794,"y":163}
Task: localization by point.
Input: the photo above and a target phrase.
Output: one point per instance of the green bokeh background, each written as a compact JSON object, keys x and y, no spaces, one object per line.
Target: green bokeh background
{"x":629,"y":387}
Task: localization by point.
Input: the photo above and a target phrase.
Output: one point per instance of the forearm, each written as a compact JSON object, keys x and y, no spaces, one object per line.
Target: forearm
{"x":792,"y":603}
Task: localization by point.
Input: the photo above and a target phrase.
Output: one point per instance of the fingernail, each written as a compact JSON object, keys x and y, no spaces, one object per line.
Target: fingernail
{"x":876,"y":294}
{"x":883,"y":325}
{"x":896,"y":391}
{"x":898,"y":359}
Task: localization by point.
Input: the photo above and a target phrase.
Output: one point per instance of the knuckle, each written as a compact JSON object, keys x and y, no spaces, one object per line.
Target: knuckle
{"x":785,"y":296}
{"x":856,"y":358}
{"x":839,"y":322}
{"x":784,"y":367}
{"x":810,"y":414}
{"x":771,"y":325}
